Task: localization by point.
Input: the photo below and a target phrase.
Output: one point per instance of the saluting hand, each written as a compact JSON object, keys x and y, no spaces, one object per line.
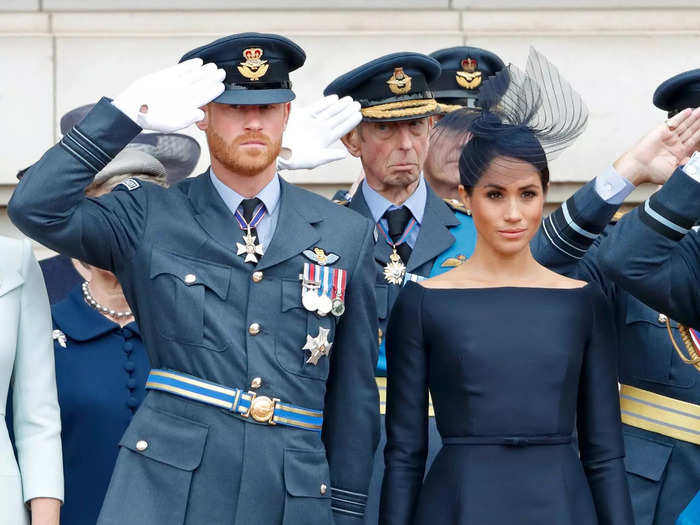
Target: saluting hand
{"x":170,"y":99}
{"x":312,"y":131}
{"x":656,"y":156}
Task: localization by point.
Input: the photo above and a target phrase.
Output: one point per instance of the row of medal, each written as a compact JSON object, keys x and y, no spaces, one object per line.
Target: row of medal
{"x":323,"y":289}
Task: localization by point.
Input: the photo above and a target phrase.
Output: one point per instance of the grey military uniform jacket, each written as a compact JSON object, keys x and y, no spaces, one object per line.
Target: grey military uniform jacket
{"x":203,"y":464}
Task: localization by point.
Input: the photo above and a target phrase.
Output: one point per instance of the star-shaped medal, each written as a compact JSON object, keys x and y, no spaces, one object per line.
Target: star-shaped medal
{"x":395,"y":270}
{"x":318,"y":346}
{"x":249,"y":249}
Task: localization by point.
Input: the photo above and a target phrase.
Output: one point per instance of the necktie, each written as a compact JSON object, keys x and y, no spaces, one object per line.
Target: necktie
{"x":397,"y":220}
{"x":247,"y":209}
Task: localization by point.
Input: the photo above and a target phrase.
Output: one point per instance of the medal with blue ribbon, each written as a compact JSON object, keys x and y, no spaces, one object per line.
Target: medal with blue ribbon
{"x":395,"y":269}
{"x":250,"y":249}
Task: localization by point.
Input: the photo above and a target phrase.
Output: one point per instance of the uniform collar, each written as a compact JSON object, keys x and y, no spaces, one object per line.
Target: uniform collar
{"x":269,"y":195}
{"x":75,"y":318}
{"x":378,"y":205}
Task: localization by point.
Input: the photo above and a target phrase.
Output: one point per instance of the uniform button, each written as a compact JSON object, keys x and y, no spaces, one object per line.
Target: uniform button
{"x":257,"y":277}
{"x":662,"y":318}
{"x":131,"y":383}
{"x":190,"y":278}
{"x":128,"y":347}
{"x":324,"y":489}
{"x":129,"y":366}
{"x":132,"y":402}
{"x":126,"y":333}
{"x":254,"y":329}
{"x":256,"y":383}
{"x":141,"y":445}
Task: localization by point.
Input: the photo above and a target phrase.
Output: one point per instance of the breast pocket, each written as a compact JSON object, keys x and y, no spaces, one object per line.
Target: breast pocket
{"x":647,"y":348}
{"x":299,"y":323}
{"x":189,"y":300}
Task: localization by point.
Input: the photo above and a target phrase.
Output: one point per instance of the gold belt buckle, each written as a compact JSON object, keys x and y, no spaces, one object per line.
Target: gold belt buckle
{"x":262,"y":408}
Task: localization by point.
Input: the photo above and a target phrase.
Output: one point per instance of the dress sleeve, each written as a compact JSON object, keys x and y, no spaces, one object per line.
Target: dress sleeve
{"x":599,"y":425}
{"x":407,"y":408}
{"x":36,"y":416}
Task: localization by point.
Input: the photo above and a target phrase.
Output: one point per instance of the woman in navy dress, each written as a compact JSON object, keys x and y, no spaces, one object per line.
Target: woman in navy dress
{"x":516,"y":357}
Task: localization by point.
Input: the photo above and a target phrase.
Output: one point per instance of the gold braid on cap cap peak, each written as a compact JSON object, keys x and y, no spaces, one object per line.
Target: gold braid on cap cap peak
{"x":449,"y":108}
{"x":403,"y":108}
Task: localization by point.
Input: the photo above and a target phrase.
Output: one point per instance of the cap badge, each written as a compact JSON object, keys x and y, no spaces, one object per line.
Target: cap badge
{"x":469,"y":77}
{"x":253,"y":68}
{"x":399,"y":82}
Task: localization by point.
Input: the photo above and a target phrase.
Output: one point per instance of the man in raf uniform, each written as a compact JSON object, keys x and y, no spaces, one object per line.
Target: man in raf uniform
{"x":653,"y":253}
{"x":417,"y":234}
{"x":262,"y":405}
{"x":464,"y":72}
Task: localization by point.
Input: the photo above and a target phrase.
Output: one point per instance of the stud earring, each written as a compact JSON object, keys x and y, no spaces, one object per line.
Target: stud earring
{"x":469,"y":212}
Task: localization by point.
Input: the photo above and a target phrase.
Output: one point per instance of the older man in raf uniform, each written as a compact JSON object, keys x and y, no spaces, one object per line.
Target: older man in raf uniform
{"x":654,"y":254}
{"x":417,"y":234}
{"x":262,"y":405}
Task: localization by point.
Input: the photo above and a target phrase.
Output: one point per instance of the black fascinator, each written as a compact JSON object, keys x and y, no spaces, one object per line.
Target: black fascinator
{"x":530,"y":116}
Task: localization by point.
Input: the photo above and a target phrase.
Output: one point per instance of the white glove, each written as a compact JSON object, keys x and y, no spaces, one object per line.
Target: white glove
{"x":312,"y":130}
{"x":170,"y":99}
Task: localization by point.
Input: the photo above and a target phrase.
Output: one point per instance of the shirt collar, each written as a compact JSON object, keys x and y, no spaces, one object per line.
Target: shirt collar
{"x":79,"y":321}
{"x":378,"y":205}
{"x":269,"y":195}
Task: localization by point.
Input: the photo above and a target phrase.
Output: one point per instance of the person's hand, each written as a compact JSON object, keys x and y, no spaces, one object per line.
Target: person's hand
{"x":656,"y":156}
{"x":170,"y":99}
{"x":313,"y":129}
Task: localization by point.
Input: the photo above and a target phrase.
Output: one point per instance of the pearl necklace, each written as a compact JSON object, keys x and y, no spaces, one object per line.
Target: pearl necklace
{"x":102,"y":309}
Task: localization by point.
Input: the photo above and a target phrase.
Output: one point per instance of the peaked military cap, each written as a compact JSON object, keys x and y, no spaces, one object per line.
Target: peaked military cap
{"x":464,"y":70}
{"x":257,"y":67}
{"x":392,"y":87}
{"x":679,"y":92}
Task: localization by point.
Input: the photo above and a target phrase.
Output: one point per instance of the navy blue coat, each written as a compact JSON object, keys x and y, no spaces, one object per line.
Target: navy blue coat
{"x":644,"y":259}
{"x":60,"y":277}
{"x":101,"y":372}
{"x":204,"y":464}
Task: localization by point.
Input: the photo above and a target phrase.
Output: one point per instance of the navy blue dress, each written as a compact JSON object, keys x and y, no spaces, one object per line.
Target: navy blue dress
{"x":101,"y":374}
{"x":512,"y":372}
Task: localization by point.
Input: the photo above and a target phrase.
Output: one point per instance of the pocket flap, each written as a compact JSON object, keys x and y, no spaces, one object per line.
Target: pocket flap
{"x":304,"y":473}
{"x":646,"y":458}
{"x":191,"y":271}
{"x":381,"y":292}
{"x":9,"y":281}
{"x":166,"y":438}
{"x":638,"y":312}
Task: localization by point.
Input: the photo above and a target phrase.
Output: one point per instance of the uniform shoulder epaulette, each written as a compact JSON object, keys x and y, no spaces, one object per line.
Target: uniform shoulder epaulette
{"x":341,"y":202}
{"x":618,"y":215}
{"x":456,"y":205}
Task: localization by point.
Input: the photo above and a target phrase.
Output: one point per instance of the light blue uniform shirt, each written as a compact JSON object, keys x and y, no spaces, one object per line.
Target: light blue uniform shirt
{"x":378,"y":205}
{"x":270,"y":197}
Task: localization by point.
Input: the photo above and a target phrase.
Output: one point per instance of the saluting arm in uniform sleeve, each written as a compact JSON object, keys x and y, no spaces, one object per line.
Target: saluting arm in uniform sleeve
{"x":570,"y":230}
{"x":407,"y":409}
{"x":351,"y":416}
{"x":50,"y":206}
{"x":36,"y":416}
{"x":654,"y":254}
{"x":598,"y":419}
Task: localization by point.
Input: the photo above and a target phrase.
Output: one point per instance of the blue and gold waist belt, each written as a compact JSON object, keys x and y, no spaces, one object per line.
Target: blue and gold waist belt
{"x":247,"y":405}
{"x":381,"y":387}
{"x":661,"y":414}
